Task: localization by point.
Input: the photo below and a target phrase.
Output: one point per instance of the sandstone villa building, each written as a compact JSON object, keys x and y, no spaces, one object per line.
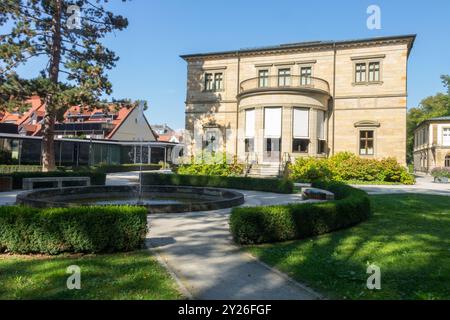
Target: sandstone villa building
{"x":432,"y":144}
{"x":315,"y":99}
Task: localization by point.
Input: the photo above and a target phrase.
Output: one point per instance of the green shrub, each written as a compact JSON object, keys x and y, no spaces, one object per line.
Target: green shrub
{"x":212,"y":165}
{"x":250,"y":225}
{"x":245,"y":183}
{"x":81,"y":229}
{"x":441,"y":172}
{"x":97,"y":178}
{"x":6,"y":169}
{"x":126,"y":168}
{"x":346,"y":166}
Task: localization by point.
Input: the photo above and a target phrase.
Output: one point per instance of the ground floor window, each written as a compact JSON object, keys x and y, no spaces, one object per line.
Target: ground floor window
{"x":447,"y":161}
{"x":249,"y":145}
{"x":300,"y":145}
{"x":366,"y":138}
{"x":321,"y":146}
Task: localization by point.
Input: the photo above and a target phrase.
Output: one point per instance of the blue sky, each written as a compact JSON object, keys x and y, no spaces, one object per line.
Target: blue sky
{"x":161,"y":30}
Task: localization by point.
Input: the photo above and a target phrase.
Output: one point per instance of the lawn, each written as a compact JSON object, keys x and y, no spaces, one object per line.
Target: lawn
{"x":408,"y":238}
{"x":134,"y":275}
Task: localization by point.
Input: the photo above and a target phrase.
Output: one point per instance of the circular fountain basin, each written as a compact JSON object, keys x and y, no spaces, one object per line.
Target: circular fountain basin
{"x":157,"y":199}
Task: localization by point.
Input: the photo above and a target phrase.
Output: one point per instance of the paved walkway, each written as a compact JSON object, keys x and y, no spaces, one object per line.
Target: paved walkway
{"x":197,"y":247}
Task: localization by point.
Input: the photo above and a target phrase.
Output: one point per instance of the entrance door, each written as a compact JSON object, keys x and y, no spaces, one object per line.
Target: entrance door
{"x":272,"y":148}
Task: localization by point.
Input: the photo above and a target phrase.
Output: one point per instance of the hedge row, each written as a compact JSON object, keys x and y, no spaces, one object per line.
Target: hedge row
{"x":252,"y":225}
{"x":97,"y":178}
{"x":82,"y":229}
{"x":126,"y":168}
{"x":246,"y":183}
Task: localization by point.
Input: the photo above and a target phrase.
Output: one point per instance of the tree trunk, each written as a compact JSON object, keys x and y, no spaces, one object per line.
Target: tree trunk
{"x":48,"y":146}
{"x":48,"y":150}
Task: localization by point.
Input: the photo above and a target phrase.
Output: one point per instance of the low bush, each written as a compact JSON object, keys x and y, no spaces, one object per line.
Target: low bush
{"x":75,"y":230}
{"x":245,"y":183}
{"x":6,"y":169}
{"x":345,"y":166}
{"x":441,"y":172}
{"x":97,"y":178}
{"x":253,"y":225}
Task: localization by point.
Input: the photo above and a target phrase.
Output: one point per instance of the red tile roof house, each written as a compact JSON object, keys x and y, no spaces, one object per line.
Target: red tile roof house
{"x":122,"y":124}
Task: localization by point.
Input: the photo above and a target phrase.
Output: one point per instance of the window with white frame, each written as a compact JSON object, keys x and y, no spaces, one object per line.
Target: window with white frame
{"x":214,"y":81}
{"x":446,"y":136}
{"x":360,"y":72}
{"x":249,"y":130}
{"x":263,"y":77}
{"x":209,"y":82}
{"x":218,"y":81}
{"x":374,"y":71}
{"x":284,"y":77}
{"x":305,"y":76}
{"x":300,"y":130}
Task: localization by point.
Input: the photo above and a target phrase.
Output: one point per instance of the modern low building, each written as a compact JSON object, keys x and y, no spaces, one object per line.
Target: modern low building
{"x":303,"y":99}
{"x":432,"y":144}
{"x":125,"y":123}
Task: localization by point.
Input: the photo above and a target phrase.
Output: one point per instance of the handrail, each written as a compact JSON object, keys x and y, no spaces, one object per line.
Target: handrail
{"x":292,"y":81}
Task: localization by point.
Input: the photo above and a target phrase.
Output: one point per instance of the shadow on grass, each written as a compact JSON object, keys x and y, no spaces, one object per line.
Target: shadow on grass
{"x":408,"y":238}
{"x":134,"y":275}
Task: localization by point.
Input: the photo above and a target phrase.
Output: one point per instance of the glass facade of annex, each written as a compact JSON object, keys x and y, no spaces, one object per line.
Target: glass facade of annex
{"x":21,"y":150}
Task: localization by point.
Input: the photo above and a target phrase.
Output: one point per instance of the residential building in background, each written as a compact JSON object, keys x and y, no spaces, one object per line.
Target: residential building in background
{"x":122,"y":124}
{"x":314,"y":99}
{"x":167,"y":134}
{"x":432,"y":144}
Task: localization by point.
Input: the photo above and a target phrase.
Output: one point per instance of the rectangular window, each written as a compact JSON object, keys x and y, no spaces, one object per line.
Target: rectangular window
{"x":305,"y":76}
{"x":446,"y":136}
{"x":360,"y":72}
{"x":250,"y":123}
{"x":249,"y":144}
{"x":321,"y":146}
{"x":366,"y":142}
{"x":301,"y":123}
{"x":300,"y":145}
{"x":209,"y":86}
{"x":284,"y":77}
{"x":263,"y":76}
{"x":218,"y":82}
{"x":374,"y":71}
{"x":321,"y":125}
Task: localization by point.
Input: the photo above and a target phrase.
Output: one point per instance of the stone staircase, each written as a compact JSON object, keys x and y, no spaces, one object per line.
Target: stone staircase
{"x":266,"y":170}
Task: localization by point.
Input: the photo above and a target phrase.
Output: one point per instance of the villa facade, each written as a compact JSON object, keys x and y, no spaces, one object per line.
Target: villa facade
{"x":432,"y":144}
{"x":305,"y":99}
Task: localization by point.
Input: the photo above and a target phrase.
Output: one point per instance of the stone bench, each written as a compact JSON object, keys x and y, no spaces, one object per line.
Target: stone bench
{"x":28,"y":183}
{"x":317,"y":194}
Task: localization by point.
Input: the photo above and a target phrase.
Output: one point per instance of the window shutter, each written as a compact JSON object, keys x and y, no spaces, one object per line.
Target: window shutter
{"x":272,"y":122}
{"x":250,"y":123}
{"x":301,"y":123}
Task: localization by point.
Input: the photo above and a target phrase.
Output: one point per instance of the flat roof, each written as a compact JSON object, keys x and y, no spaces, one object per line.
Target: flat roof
{"x":308,"y":44}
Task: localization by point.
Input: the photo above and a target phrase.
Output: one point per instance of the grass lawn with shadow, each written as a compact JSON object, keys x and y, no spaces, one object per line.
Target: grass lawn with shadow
{"x":408,"y":237}
{"x":131,"y":276}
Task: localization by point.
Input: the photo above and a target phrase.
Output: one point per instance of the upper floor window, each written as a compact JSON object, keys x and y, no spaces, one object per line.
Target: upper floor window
{"x":263,"y":76}
{"x":366,"y":145}
{"x":374,"y":71}
{"x":446,"y":136}
{"x":284,"y":77}
{"x":367,"y":72}
{"x":213,"y":82}
{"x":305,"y":76}
{"x":218,"y":81}
{"x":360,"y":71}
{"x":209,"y":85}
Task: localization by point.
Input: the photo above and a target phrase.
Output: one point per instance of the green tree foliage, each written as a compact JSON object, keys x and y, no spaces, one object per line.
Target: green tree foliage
{"x":75,"y":61}
{"x":430,"y":107}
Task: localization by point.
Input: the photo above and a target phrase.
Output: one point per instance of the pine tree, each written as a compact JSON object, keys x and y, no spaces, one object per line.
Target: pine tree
{"x":67,"y":37}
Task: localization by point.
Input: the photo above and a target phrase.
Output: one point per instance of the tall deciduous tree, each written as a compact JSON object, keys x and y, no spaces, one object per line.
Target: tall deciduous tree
{"x":68,"y":36}
{"x":430,"y":107}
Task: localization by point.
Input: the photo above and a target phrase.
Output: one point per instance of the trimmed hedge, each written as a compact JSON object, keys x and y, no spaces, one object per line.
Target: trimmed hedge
{"x":245,"y":183}
{"x":253,"y":225}
{"x":97,"y":178}
{"x":126,"y":168}
{"x":82,"y":229}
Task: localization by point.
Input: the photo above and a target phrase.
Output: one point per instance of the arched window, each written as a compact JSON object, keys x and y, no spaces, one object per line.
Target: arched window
{"x":447,"y":161}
